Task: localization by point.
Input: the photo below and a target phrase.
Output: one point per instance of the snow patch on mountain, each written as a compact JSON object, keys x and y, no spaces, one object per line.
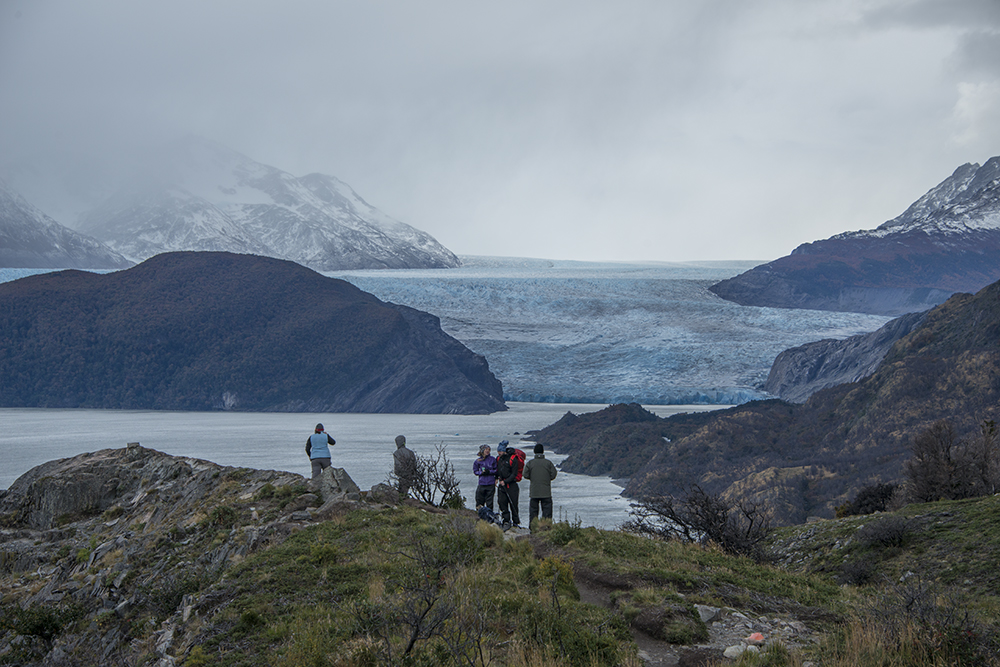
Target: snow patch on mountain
{"x":203,"y":196}
{"x":967,"y":201}
{"x":29,"y":238}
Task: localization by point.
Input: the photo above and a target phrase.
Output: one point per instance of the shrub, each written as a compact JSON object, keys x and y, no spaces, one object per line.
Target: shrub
{"x":870,"y":499}
{"x":857,"y":572}
{"x":37,"y":621}
{"x":113,"y":512}
{"x":892,"y":531}
{"x":434,"y":481}
{"x":739,"y":528}
{"x":222,"y":516}
{"x":564,"y":532}
{"x":945,"y":467}
{"x":916,"y":621}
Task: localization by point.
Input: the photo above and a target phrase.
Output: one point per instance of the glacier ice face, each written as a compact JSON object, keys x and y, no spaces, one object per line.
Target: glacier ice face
{"x":566,"y":332}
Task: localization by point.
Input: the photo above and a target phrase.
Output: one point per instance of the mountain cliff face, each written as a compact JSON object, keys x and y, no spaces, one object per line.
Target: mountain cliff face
{"x":800,"y":372}
{"x":202,"y":196}
{"x":31,"y":239}
{"x":217,"y":331}
{"x":948,"y":241}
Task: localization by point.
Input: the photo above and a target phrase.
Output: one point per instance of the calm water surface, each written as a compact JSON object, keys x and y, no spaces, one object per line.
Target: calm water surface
{"x":276,"y":441}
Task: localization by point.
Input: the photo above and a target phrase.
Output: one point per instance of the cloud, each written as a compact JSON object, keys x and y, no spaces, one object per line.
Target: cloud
{"x":653,"y":129}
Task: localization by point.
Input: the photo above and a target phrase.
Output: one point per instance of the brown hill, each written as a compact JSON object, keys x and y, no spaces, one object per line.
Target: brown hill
{"x":211,"y":331}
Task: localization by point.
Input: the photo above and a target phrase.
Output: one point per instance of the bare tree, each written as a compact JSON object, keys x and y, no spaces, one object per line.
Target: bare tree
{"x":434,"y":481}
{"x":739,"y":527}
{"x":944,"y":467}
{"x":420,"y":606}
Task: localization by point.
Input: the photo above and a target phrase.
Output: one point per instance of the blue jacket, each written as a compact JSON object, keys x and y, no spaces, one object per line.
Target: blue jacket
{"x":316,"y":445}
{"x":485,"y":470}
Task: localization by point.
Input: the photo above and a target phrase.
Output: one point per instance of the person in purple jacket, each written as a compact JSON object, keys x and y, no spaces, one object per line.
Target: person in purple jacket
{"x":485,"y":468}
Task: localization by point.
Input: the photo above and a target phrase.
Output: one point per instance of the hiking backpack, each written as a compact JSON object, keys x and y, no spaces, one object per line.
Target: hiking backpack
{"x":517,"y":459}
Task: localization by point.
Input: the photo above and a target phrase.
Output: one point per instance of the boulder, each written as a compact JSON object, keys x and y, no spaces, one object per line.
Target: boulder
{"x":333,"y":483}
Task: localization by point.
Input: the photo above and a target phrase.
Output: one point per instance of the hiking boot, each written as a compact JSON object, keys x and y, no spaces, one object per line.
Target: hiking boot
{"x":506,"y":525}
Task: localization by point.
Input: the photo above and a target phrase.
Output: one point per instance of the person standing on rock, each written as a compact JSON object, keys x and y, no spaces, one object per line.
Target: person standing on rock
{"x":404,"y":466}
{"x":485,"y":468}
{"x":318,"y":450}
{"x":540,"y":471}
{"x":507,"y":489}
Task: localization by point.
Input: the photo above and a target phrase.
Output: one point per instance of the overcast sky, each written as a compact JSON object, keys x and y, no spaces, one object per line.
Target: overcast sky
{"x":670,"y":130}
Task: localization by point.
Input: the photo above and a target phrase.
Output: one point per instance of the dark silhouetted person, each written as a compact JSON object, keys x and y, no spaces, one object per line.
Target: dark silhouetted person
{"x":404,"y":466}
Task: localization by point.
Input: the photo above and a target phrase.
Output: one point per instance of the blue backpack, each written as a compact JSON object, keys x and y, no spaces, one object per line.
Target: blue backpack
{"x":486,"y":514}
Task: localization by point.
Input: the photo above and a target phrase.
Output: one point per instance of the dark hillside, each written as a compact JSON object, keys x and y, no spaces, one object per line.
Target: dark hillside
{"x":948,"y":241}
{"x":615,"y":441}
{"x":806,"y":459}
{"x":208,"y":331}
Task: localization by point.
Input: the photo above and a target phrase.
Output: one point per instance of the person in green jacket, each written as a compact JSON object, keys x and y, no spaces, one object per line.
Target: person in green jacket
{"x":540,"y":472}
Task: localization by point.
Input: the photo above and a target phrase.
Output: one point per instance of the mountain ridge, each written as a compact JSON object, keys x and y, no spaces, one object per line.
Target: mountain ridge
{"x":200,"y":195}
{"x":946,"y":242}
{"x":216,"y":331}
{"x":194,"y":194}
{"x":31,"y":239}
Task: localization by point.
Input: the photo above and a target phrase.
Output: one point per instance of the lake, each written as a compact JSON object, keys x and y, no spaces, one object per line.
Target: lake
{"x":276,"y":441}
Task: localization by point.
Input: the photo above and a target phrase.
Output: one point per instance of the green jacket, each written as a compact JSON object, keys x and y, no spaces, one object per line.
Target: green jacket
{"x":541,"y":472}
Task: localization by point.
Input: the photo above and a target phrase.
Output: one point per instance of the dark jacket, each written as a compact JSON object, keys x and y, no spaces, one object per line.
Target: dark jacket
{"x":404,"y":463}
{"x":541,"y":472}
{"x":507,"y":467}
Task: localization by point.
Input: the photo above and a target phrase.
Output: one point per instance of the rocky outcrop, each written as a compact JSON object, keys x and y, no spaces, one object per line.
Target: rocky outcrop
{"x":948,"y":241}
{"x":117,"y":536}
{"x":800,"y":372}
{"x":218,"y":331}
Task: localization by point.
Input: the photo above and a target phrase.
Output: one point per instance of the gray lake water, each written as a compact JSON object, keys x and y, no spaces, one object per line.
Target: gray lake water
{"x":276,"y":441}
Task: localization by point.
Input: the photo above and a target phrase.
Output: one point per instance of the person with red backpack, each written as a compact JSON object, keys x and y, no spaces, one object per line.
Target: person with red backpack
{"x":510,"y":465}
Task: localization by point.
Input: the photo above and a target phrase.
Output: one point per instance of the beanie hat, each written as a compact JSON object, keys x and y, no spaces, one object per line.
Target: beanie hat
{"x":502,"y":446}
{"x":400,"y":440}
{"x":539,"y":449}
{"x":483,"y":448}
{"x":319,"y":427}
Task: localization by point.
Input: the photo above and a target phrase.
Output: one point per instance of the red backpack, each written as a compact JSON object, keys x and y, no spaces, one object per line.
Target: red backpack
{"x":517,"y":459}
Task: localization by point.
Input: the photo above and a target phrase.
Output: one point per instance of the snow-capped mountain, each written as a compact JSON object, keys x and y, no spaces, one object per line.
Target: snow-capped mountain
{"x":31,"y":239}
{"x":947,"y":241}
{"x":203,"y":196}
{"x":964,"y":203}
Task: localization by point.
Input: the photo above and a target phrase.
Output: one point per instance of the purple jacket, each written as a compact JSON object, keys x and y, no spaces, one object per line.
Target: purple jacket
{"x":485,"y":470}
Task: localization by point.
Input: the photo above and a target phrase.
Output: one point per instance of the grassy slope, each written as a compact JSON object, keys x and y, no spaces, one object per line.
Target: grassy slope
{"x":338,"y":592}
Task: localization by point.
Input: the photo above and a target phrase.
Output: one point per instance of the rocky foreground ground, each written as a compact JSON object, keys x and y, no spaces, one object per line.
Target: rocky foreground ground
{"x":109,"y":558}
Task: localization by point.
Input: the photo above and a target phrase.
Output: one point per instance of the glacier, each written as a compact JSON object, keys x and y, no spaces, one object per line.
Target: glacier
{"x":559,"y":331}
{"x":593,"y":332}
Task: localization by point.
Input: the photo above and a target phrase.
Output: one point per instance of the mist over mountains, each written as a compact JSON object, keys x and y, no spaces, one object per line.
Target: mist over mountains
{"x":31,"y":239}
{"x":198,"y":195}
{"x":947,"y":241}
